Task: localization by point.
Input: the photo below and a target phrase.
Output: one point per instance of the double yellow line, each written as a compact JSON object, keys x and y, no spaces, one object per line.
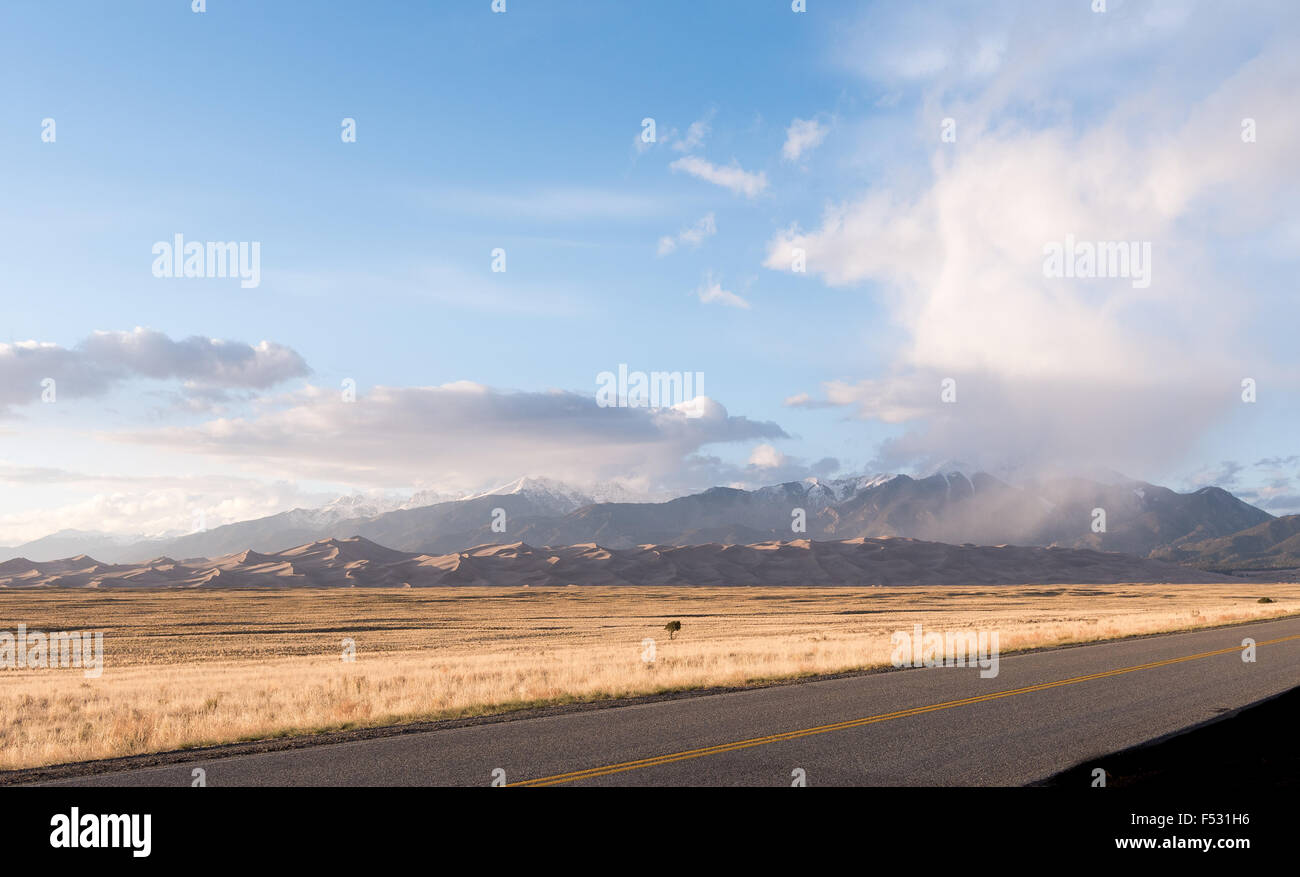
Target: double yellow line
{"x":688,"y":754}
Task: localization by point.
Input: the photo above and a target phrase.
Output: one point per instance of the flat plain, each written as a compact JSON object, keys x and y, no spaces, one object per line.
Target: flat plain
{"x":192,"y":668}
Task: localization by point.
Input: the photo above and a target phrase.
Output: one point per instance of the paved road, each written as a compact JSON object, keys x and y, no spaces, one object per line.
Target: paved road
{"x":1044,"y":712}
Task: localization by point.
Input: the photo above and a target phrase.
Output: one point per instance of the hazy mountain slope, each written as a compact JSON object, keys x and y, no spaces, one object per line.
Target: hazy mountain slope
{"x":1273,"y":544}
{"x":1140,"y":517}
{"x":67,"y":543}
{"x":946,"y":508}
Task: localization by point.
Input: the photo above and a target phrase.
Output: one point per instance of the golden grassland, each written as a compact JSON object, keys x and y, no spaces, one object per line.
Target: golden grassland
{"x":186,"y":668}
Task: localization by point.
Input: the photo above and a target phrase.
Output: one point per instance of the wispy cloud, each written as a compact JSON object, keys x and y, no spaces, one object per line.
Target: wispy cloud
{"x":695,"y":135}
{"x":691,"y":236}
{"x":802,"y":136}
{"x":711,"y":292}
{"x":732,"y":177}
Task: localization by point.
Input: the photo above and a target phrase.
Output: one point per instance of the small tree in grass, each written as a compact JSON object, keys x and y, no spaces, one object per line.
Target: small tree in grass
{"x":672,"y":627}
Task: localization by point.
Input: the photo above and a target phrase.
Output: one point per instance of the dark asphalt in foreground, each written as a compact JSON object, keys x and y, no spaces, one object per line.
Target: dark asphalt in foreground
{"x":1043,"y":713}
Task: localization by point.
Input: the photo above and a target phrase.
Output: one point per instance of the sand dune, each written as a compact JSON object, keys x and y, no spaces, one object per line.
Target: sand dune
{"x":358,"y":562}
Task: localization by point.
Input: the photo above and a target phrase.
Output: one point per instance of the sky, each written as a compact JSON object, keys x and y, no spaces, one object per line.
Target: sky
{"x":840,"y":218}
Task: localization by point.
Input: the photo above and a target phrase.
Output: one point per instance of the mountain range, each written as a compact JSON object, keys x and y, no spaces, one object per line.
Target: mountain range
{"x":1141,"y":519}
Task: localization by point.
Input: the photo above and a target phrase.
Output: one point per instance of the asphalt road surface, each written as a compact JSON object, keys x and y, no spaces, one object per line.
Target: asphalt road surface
{"x":1043,"y":713}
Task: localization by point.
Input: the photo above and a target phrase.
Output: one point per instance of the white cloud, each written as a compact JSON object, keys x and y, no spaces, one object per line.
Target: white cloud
{"x":696,"y":134}
{"x":693,"y":236}
{"x":805,"y":400}
{"x":464,"y":434}
{"x":206,"y":366}
{"x":766,"y":457}
{"x":964,"y":256}
{"x":1068,"y":370}
{"x":711,"y":291}
{"x":802,"y":136}
{"x":733,"y":177}
{"x":764,"y":467}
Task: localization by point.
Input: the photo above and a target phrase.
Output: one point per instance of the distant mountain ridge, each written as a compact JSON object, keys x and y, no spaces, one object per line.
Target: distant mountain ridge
{"x":1140,"y":518}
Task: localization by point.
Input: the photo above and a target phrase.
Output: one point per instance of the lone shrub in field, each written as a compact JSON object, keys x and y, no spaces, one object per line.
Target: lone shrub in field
{"x":1261,"y":600}
{"x":672,"y":627}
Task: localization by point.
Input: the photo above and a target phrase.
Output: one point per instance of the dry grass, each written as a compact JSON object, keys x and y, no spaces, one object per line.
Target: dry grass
{"x":193,"y":668}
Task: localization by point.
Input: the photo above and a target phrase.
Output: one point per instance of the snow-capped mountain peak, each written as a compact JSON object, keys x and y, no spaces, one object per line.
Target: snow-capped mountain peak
{"x":554,"y":496}
{"x":355,"y":505}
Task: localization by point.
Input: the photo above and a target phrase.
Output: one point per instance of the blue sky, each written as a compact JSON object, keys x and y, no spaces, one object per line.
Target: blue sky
{"x":520,"y":131}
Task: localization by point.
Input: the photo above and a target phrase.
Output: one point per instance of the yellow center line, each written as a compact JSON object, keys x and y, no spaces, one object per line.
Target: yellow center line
{"x":606,"y":770}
